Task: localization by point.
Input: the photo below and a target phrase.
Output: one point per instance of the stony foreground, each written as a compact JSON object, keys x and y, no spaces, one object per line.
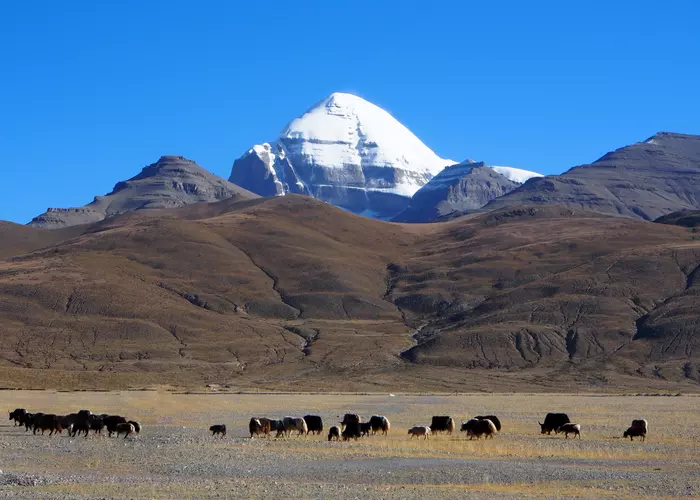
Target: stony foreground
{"x":176,"y":457}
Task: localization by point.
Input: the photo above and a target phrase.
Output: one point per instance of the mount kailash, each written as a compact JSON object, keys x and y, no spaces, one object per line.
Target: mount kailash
{"x":350,"y":153}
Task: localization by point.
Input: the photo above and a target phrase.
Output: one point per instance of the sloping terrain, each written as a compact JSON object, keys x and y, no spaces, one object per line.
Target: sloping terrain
{"x":290,"y":292}
{"x":273,"y":287}
{"x":644,"y":180}
{"x":172,"y":181}
{"x":16,"y":239}
{"x":555,"y":287}
{"x":685,"y":218}
{"x":458,"y":189}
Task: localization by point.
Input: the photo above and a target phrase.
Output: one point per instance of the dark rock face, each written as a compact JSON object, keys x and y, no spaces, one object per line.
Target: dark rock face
{"x":173,"y":181}
{"x":267,"y":172}
{"x":645,"y":180}
{"x":456,"y":190}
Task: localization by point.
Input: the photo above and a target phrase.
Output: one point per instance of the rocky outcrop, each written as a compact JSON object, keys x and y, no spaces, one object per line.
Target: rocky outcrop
{"x":267,"y":171}
{"x":172,"y":181}
{"x":456,"y":190}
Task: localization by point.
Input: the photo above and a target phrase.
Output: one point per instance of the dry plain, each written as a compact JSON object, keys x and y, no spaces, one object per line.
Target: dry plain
{"x":175,"y":457}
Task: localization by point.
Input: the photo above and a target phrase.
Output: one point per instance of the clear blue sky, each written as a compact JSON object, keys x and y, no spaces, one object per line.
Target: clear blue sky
{"x":92,"y":91}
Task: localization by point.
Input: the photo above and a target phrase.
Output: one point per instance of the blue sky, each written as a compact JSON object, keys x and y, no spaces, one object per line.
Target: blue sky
{"x":90,"y":92}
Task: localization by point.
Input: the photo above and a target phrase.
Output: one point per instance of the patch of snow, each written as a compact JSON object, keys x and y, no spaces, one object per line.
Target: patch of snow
{"x":264,"y":152}
{"x":516,"y":174}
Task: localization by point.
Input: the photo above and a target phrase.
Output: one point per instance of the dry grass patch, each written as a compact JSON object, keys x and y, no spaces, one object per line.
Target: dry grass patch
{"x":177,"y":450}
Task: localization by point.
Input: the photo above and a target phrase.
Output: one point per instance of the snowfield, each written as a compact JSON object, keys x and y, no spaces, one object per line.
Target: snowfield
{"x":344,"y":129}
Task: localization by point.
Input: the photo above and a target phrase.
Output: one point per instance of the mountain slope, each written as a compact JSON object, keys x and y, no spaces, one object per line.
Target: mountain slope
{"x":685,"y":218}
{"x":645,"y":180}
{"x":558,"y":288}
{"x":456,"y":190}
{"x":172,"y":181}
{"x":16,"y":239}
{"x":289,"y":292}
{"x":345,"y":151}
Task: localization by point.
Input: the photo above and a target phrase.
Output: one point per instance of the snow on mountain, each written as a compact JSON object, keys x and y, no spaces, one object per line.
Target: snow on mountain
{"x":346,"y":130}
{"x":353,"y":154}
{"x":267,"y":171}
{"x":346,"y":151}
{"x":516,"y":174}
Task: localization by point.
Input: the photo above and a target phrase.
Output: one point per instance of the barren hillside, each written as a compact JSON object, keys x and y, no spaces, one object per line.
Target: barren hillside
{"x":290,"y":292}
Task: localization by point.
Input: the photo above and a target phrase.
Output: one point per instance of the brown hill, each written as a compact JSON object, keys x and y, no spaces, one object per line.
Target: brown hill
{"x":685,"y":218}
{"x":645,"y":180}
{"x":172,"y":181}
{"x":16,"y":239}
{"x":291,"y":293}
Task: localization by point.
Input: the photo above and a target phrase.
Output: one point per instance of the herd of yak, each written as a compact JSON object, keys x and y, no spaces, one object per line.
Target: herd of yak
{"x":351,"y":427}
{"x":75,"y":423}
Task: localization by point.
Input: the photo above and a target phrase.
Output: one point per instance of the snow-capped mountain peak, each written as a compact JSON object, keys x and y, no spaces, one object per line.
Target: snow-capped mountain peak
{"x":346,"y":151}
{"x":353,"y":154}
{"x":345,"y":129}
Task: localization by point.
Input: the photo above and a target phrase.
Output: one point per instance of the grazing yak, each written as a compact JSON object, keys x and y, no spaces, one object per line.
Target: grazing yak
{"x":18,"y":416}
{"x":275,"y":425}
{"x":352,"y":431}
{"x":29,"y":419}
{"x":633,"y":432}
{"x":256,"y":427}
{"x":640,"y":424}
{"x":68,"y":422}
{"x":91,"y":423}
{"x":79,"y":422}
{"x":442,"y":424}
{"x":314,"y":423}
{"x":218,"y":429}
{"x":475,"y":428}
{"x":137,"y":426}
{"x":570,"y":428}
{"x":492,"y":418}
{"x":125,"y":428}
{"x":365,"y":429}
{"x":295,"y":424}
{"x":552,"y":422}
{"x":637,"y":429}
{"x":379,"y":423}
{"x":334,"y":433}
{"x":97,"y":424}
{"x":349,"y":418}
{"x":111,"y":422}
{"x":418,"y":431}
{"x":48,"y":422}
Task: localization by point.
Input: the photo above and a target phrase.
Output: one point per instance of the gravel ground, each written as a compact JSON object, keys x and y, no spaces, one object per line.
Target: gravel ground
{"x":175,"y":457}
